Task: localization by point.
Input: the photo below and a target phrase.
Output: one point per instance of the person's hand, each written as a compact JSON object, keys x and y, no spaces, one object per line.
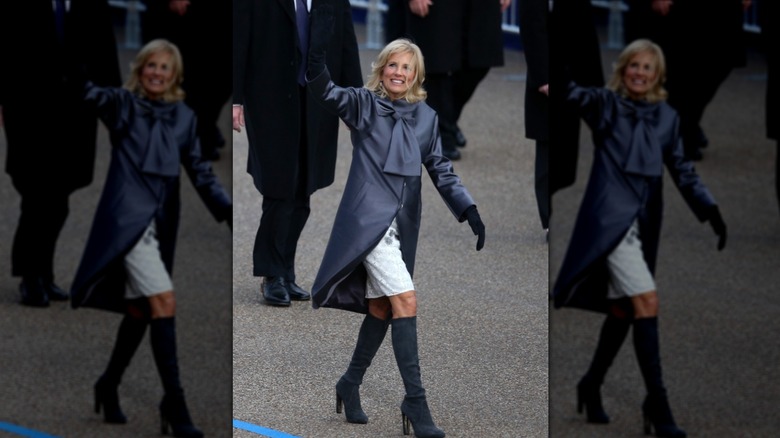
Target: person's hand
{"x":545,"y":89}
{"x":472,"y":215}
{"x":718,"y":226}
{"x":420,"y":7}
{"x":178,"y":7}
{"x":662,"y":7}
{"x":319,"y":36}
{"x":505,"y":4}
{"x":238,"y":117}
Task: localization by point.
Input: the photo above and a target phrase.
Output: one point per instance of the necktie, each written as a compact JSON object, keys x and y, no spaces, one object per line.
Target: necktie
{"x":59,"y":19}
{"x":302,"y":19}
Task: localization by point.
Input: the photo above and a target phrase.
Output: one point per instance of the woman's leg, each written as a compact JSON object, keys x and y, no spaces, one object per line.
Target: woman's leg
{"x":414,"y":408}
{"x":129,"y":336}
{"x":372,"y":333}
{"x":173,"y":409}
{"x":655,"y":408}
{"x":613,"y":334}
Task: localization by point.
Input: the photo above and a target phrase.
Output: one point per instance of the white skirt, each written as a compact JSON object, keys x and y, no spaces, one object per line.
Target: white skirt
{"x":146,"y":273}
{"x":629,"y":275}
{"x":387,"y":274}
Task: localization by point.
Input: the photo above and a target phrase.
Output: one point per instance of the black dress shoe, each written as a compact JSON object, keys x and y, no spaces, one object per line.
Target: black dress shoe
{"x":55,"y":292}
{"x":296,"y":292}
{"x":460,"y":139}
{"x":275,"y":291}
{"x":33,"y":292}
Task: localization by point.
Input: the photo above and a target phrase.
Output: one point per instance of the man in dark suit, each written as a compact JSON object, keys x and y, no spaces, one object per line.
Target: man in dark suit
{"x":51,"y":132}
{"x":535,"y":36}
{"x":292,"y":139}
{"x":460,"y":40}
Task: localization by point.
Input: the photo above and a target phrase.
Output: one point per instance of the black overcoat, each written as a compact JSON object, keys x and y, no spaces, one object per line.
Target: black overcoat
{"x":633,"y":140}
{"x":50,"y":130}
{"x":535,"y":36}
{"x":459,"y":34}
{"x":150,"y":141}
{"x":384,"y":183}
{"x":265,"y":71}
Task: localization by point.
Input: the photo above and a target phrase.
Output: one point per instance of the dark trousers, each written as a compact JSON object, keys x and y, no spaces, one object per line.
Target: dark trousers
{"x":277,"y":237}
{"x":43,"y":214}
{"x":283,"y":220}
{"x":448,"y":93}
{"x":542,"y":182}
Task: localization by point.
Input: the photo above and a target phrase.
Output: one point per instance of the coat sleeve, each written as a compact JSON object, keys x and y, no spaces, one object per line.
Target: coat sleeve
{"x":686,"y":179}
{"x":445,"y":180}
{"x":204,"y":180}
{"x":593,"y":104}
{"x":113,"y":105}
{"x":352,"y":105}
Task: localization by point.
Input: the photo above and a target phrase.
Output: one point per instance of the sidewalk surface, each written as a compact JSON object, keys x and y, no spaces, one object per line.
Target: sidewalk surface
{"x":718,"y":310}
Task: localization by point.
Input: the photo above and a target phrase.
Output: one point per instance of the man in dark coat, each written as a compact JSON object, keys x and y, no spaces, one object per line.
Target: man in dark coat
{"x":718,"y":43}
{"x":51,"y":133}
{"x":461,"y":40}
{"x":292,"y":140}
{"x":536,"y":48}
{"x":768,"y":16}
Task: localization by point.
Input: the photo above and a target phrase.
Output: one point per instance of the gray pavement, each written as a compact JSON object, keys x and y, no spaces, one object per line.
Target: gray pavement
{"x":50,"y":358}
{"x":482,"y":315}
{"x":719,"y":310}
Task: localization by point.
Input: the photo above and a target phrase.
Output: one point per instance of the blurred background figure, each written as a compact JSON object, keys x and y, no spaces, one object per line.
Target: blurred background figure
{"x":698,"y":61}
{"x":201,"y":30}
{"x":461,"y":40}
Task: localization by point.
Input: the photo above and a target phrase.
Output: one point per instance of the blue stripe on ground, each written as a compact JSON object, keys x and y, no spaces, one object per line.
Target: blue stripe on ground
{"x":19,"y":430}
{"x":264,"y":431}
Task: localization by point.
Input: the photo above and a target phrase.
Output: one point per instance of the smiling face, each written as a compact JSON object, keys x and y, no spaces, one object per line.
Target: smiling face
{"x":398,"y":74}
{"x":640,"y":75}
{"x":157,"y":75}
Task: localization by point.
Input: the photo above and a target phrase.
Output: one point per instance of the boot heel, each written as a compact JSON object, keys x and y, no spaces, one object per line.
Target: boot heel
{"x":647,"y":425}
{"x":405,"y":423}
{"x":97,"y":402}
{"x":580,"y":401}
{"x":339,"y":403}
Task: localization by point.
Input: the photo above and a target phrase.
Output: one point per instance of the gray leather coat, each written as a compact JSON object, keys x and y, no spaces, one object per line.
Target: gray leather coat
{"x":392,"y":140}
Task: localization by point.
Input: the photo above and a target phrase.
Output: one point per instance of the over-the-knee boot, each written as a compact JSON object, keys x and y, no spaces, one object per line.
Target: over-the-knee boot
{"x":131,"y":332}
{"x":613,"y":333}
{"x":414,"y":408}
{"x":372,"y":333}
{"x":173,"y":409}
{"x":655,"y":408}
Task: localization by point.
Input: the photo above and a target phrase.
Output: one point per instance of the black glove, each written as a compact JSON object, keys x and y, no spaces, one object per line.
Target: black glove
{"x":320,"y":31}
{"x":716,"y":221}
{"x":472,"y":215}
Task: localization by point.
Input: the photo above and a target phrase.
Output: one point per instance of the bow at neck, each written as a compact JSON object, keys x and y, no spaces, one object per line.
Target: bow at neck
{"x":403,"y":156}
{"x":644,"y":153}
{"x":161,"y":156}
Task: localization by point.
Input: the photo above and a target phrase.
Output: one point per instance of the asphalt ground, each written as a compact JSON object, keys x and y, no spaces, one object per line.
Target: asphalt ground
{"x":718,"y":310}
{"x":483,"y":316}
{"x":50,"y":358}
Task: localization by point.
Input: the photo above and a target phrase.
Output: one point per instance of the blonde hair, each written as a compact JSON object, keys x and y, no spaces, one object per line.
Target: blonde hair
{"x":657,"y":92}
{"x":174,"y":91}
{"x":416,"y":92}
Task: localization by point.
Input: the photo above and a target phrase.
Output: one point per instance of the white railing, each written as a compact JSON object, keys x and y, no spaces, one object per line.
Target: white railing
{"x":132,"y":21}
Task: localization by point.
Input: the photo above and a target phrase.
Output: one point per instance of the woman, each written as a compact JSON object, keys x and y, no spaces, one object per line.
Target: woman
{"x":610,"y":262}
{"x":127,"y":263}
{"x":369,"y":261}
